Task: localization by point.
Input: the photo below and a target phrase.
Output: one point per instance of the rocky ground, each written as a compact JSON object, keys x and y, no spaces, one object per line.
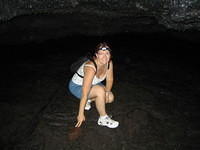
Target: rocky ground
{"x":156,"y":96}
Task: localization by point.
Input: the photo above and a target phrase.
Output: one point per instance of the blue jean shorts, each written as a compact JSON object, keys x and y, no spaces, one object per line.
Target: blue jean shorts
{"x":76,"y":89}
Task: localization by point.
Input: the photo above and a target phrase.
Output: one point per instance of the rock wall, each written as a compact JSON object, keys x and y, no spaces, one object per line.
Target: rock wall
{"x":176,"y":14}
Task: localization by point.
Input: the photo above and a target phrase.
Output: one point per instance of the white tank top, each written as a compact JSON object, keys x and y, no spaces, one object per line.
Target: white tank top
{"x":79,"y":80}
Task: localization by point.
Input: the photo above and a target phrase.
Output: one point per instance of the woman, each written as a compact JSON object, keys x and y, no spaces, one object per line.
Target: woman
{"x":86,"y":85}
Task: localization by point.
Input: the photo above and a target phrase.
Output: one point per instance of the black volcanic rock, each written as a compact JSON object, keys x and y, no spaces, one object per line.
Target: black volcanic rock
{"x":175,"y":14}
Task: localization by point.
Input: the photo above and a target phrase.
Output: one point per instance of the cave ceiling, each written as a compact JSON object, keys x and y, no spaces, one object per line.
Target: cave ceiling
{"x":99,"y":17}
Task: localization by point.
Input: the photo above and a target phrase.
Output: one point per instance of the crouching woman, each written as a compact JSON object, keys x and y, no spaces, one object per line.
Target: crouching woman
{"x":86,"y":85}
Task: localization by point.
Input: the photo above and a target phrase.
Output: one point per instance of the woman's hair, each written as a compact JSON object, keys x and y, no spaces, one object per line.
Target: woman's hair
{"x":101,"y":46}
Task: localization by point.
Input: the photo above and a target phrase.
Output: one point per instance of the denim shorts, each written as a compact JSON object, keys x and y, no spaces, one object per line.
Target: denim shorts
{"x":76,"y":89}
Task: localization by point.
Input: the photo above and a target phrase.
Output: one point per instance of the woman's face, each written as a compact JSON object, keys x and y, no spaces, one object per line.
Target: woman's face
{"x":103,"y":56}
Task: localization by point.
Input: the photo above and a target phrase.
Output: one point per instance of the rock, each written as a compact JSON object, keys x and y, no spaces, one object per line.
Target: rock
{"x":174,"y":14}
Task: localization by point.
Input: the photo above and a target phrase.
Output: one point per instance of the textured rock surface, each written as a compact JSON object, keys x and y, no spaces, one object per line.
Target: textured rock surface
{"x":176,"y":14}
{"x":156,"y":97}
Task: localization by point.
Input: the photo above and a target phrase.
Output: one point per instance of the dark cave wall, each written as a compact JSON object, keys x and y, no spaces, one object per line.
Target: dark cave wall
{"x":176,"y":14}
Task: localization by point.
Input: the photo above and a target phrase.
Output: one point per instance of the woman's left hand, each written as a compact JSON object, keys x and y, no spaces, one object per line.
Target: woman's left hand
{"x":107,"y":96}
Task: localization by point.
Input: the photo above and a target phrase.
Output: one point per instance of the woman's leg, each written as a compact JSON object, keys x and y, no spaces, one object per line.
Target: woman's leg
{"x":97,"y":94}
{"x":110,"y":97}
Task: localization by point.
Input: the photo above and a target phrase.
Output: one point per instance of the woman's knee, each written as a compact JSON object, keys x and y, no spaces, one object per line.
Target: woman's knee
{"x":100,"y":91}
{"x":97,"y":91}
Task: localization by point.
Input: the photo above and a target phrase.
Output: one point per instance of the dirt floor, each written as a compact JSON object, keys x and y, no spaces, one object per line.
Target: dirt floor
{"x":156,"y":91}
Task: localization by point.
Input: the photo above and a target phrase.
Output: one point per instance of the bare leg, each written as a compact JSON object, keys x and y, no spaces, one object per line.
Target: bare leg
{"x":97,"y":93}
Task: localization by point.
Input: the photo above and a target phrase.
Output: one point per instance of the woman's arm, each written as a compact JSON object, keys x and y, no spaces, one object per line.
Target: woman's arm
{"x":109,"y":77}
{"x":87,"y":82}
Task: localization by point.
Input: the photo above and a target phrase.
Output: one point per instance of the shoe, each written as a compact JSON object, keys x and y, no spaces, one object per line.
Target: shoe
{"x":107,"y":121}
{"x":88,"y":105}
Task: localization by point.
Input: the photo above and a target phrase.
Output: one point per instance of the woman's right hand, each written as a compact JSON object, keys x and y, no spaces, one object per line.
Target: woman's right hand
{"x":80,"y":119}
